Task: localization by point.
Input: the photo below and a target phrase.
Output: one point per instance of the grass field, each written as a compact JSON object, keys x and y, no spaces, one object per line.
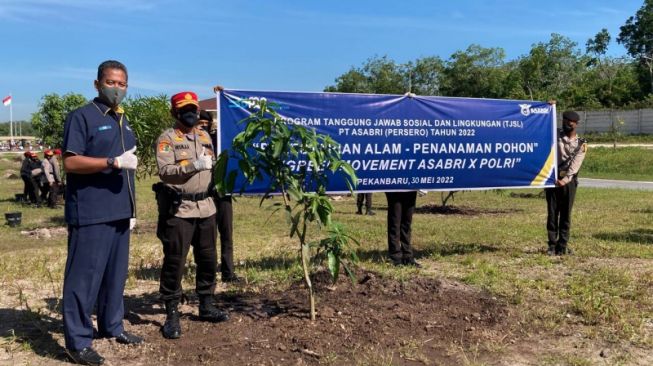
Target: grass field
{"x":600,"y":297}
{"x":625,"y":163}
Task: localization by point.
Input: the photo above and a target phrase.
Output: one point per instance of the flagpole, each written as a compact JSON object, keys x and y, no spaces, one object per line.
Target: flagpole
{"x":11,"y":120}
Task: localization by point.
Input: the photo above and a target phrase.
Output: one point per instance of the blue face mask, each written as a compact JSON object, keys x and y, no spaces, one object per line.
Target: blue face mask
{"x":188,"y":119}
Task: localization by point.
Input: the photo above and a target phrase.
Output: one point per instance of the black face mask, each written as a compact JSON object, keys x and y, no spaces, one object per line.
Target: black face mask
{"x":188,"y":119}
{"x":567,"y":127}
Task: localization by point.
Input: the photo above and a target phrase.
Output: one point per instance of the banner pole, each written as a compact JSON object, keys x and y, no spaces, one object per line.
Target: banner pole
{"x":218,"y":144}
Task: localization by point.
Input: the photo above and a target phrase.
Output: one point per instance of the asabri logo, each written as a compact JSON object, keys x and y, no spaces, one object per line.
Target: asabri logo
{"x":527,"y":110}
{"x":247,"y":103}
{"x":252,"y":103}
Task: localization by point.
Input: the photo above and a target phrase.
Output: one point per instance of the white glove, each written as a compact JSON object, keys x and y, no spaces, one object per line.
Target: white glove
{"x":127,"y":160}
{"x":422,"y":192}
{"x":204,"y":162}
{"x":132,"y":223}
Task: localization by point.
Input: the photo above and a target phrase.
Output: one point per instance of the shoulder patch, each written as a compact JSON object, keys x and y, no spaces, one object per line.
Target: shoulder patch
{"x":164,"y":147}
{"x":584,"y":147}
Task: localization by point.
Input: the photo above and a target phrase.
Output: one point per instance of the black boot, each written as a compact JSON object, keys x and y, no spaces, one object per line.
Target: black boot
{"x":551,"y":250}
{"x":563,"y":250}
{"x":171,"y":328}
{"x":208,"y":311}
{"x":360,"y":210}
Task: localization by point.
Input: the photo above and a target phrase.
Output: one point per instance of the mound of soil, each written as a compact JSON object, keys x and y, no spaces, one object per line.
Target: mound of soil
{"x":528,"y":195}
{"x":459,"y":210}
{"x":416,"y":321}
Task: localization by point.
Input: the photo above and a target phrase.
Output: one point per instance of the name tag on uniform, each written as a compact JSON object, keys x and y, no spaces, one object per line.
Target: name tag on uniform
{"x":104,"y":128}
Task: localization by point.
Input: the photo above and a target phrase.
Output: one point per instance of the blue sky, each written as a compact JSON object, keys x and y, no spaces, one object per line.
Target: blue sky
{"x":170,"y":46}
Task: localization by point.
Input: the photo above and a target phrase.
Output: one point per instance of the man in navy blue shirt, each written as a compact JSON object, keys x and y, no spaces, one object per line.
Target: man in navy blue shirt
{"x":99,"y":160}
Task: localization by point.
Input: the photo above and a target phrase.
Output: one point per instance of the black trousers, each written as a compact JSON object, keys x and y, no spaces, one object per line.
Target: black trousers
{"x":559,"y":202}
{"x":401,"y":206}
{"x":367,"y":197}
{"x":53,"y":194}
{"x":33,"y":190}
{"x":225,"y":222}
{"x":178,"y":234}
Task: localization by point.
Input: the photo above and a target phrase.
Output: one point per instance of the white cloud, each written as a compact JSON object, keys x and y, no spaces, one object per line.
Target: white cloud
{"x":29,"y":10}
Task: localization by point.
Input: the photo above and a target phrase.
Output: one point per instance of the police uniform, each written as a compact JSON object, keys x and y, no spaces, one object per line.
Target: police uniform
{"x":98,"y":210}
{"x":367,"y":198}
{"x":30,"y":172}
{"x":560,"y":199}
{"x":193,"y":221}
{"x":401,"y":206}
{"x":52,"y":176}
{"x":189,"y":221}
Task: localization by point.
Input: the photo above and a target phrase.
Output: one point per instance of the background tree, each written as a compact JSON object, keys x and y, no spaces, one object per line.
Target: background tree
{"x":551,"y":70}
{"x":612,"y":80}
{"x":49,"y":120}
{"x":25,"y":128}
{"x":637,"y":36}
{"x":425,"y":76}
{"x":476,"y":72}
{"x":148,"y":116}
{"x":378,"y":75}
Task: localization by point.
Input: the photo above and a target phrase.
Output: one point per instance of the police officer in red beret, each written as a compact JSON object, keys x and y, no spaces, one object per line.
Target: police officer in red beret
{"x":186,"y":211}
{"x":560,"y":199}
{"x":52,"y":177}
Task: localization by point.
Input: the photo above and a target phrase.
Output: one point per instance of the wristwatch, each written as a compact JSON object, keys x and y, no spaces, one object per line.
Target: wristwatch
{"x":110,"y":162}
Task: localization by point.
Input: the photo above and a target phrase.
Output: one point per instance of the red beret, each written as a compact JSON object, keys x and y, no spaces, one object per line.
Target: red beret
{"x":57,"y":151}
{"x":48,"y":152}
{"x":184,"y":98}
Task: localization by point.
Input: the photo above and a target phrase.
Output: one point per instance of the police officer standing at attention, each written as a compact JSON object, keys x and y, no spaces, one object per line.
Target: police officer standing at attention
{"x":560,"y":199}
{"x":186,"y":212}
{"x":225,"y":214}
{"x":52,"y":176}
{"x":401,"y":206}
{"x":99,"y":160}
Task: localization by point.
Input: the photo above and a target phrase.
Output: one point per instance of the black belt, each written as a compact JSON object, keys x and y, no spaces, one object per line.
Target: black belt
{"x":195,"y":196}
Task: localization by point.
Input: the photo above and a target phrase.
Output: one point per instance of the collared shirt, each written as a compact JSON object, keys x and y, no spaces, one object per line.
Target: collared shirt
{"x":25,"y":170}
{"x":566,"y":149}
{"x":95,"y":130}
{"x":51,"y":170}
{"x":175,"y":153}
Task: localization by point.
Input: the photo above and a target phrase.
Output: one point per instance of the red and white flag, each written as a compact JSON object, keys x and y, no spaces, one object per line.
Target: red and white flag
{"x":6,"y":101}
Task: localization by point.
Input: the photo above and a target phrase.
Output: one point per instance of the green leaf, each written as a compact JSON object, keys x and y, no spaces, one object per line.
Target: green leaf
{"x":351,"y":274}
{"x":294,"y":193}
{"x":334,"y":266}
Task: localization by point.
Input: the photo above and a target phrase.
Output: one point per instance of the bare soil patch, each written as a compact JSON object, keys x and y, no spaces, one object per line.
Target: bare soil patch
{"x":377,"y":321}
{"x":417,"y":321}
{"x":460,"y":210}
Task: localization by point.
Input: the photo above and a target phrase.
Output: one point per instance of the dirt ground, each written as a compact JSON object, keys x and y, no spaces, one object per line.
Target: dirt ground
{"x":376,"y":321}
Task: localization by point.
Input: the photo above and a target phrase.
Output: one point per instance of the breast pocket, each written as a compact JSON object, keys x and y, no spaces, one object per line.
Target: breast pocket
{"x":183,"y":152}
{"x":102,"y":139}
